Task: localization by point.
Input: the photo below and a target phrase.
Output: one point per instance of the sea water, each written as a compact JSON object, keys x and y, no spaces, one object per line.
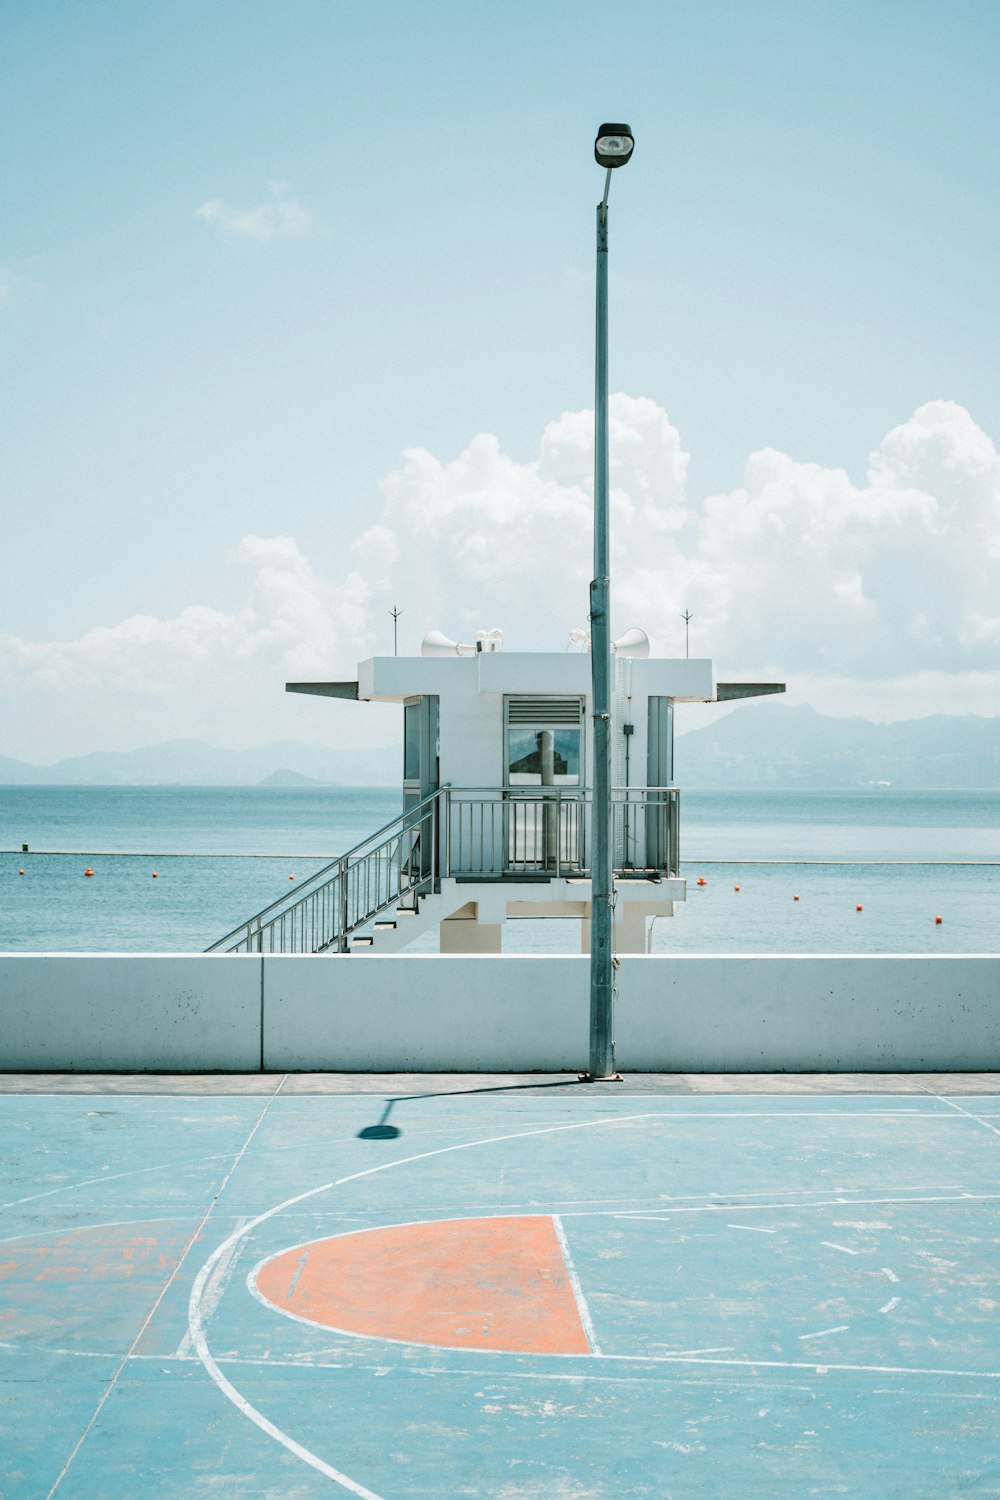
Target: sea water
{"x":200,"y":860}
{"x":175,"y":868}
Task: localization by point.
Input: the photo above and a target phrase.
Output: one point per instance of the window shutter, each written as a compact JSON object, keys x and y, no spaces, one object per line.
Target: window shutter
{"x":545,"y":712}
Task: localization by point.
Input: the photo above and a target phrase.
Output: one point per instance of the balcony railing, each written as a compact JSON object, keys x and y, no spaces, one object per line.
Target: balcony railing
{"x":490,"y":834}
{"x":463,"y":833}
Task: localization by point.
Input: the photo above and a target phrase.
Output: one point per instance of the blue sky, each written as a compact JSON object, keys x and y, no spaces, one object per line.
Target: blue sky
{"x":804,"y":255}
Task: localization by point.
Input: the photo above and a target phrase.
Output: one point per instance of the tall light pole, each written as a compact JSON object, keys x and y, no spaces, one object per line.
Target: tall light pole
{"x":612,"y":149}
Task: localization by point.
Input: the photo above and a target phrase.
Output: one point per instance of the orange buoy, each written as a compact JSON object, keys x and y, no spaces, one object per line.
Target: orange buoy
{"x":291,"y":877}
{"x":702,"y":880}
{"x":857,"y":908}
{"x":155,"y":876}
{"x":735,"y":887}
{"x":937,"y":921}
{"x":795,"y":898}
{"x":88,"y":871}
{"x":21,"y":872}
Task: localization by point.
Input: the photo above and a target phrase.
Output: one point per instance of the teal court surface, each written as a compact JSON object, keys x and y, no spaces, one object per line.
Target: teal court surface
{"x":670,"y":1287}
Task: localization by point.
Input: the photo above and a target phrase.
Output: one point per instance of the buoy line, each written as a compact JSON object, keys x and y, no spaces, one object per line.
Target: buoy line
{"x":156,"y":854}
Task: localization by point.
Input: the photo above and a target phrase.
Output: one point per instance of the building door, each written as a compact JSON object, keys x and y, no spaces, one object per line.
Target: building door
{"x":543,"y":781}
{"x":421,"y":770}
{"x":659,"y":773}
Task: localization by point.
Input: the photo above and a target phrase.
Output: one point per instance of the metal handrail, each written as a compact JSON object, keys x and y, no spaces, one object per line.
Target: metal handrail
{"x":544,"y":831}
{"x":537,"y":790}
{"x":323,"y":903}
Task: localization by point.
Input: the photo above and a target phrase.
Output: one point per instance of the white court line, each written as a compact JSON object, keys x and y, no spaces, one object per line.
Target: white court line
{"x":795,"y":1364}
{"x":720,"y":1200}
{"x":214,"y":1291}
{"x":845,"y":1248}
{"x":574,"y":1281}
{"x":753,"y":1228}
{"x":687,"y":1353}
{"x":968,"y":1114}
{"x":603,"y":1365}
{"x":47,"y":1232}
{"x":823,"y":1332}
{"x":71,"y":1187}
{"x":717,"y":1208}
{"x":792,"y":1114}
{"x":35,"y":1349}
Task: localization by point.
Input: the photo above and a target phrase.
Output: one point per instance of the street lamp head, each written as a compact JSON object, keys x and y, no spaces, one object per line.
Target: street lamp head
{"x":613,"y":146}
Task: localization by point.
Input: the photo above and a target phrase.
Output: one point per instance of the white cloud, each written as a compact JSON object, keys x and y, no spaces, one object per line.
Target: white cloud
{"x":282,"y":217}
{"x":799,"y":570}
{"x":876,"y":598}
{"x":481,"y":535}
{"x":203,"y":673}
{"x":890,"y":578}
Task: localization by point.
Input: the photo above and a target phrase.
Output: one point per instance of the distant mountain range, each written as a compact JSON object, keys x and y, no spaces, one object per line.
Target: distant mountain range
{"x":763,"y":744}
{"x":769,"y":743}
{"x":193,"y":763}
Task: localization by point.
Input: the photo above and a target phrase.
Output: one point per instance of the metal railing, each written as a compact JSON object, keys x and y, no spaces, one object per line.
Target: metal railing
{"x":490,"y":833}
{"x":472,"y":833}
{"x":398,"y":861}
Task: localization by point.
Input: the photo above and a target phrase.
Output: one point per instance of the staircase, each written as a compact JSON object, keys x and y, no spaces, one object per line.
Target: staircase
{"x":351,"y":899}
{"x":395,"y":929}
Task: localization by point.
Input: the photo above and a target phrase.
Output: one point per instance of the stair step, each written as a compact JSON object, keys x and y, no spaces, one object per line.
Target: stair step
{"x":384,"y":926}
{"x":362,"y":942}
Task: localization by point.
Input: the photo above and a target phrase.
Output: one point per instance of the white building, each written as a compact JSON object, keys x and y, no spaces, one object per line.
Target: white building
{"x":496,"y":802}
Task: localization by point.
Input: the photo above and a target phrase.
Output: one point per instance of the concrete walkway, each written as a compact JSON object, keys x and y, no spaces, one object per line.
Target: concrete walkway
{"x":400,"y":1084}
{"x":674,"y":1286}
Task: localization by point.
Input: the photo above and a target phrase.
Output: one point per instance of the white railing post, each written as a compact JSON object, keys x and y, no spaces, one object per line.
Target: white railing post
{"x":344,"y":907}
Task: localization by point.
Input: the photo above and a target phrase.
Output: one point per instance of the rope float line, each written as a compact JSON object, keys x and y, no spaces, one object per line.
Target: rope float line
{"x":916,"y":864}
{"x":154,"y":854}
{"x":938,"y":921}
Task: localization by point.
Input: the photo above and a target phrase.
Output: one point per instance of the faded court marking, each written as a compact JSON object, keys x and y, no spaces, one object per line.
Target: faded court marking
{"x":510,"y":1270}
{"x":574,"y":1281}
{"x":212,"y":1367}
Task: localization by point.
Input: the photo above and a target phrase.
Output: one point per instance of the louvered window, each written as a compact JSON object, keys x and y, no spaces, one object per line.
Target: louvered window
{"x":547,"y":711}
{"x":544,"y":741}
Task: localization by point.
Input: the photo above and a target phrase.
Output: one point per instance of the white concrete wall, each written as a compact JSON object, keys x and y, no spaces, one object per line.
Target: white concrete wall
{"x":164,"y":1013}
{"x":129,"y":1013}
{"x":425,"y":1013}
{"x":805,"y":1013}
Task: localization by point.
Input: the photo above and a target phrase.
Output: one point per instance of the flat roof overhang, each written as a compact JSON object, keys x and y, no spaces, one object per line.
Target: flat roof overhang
{"x":724,"y":691}
{"x":324,"y":689}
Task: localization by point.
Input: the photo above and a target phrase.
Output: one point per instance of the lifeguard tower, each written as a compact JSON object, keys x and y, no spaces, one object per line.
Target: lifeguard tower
{"x":496,"y":818}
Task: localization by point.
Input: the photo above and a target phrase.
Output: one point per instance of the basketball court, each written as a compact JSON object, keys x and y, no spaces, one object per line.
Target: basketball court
{"x":670,"y":1287}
